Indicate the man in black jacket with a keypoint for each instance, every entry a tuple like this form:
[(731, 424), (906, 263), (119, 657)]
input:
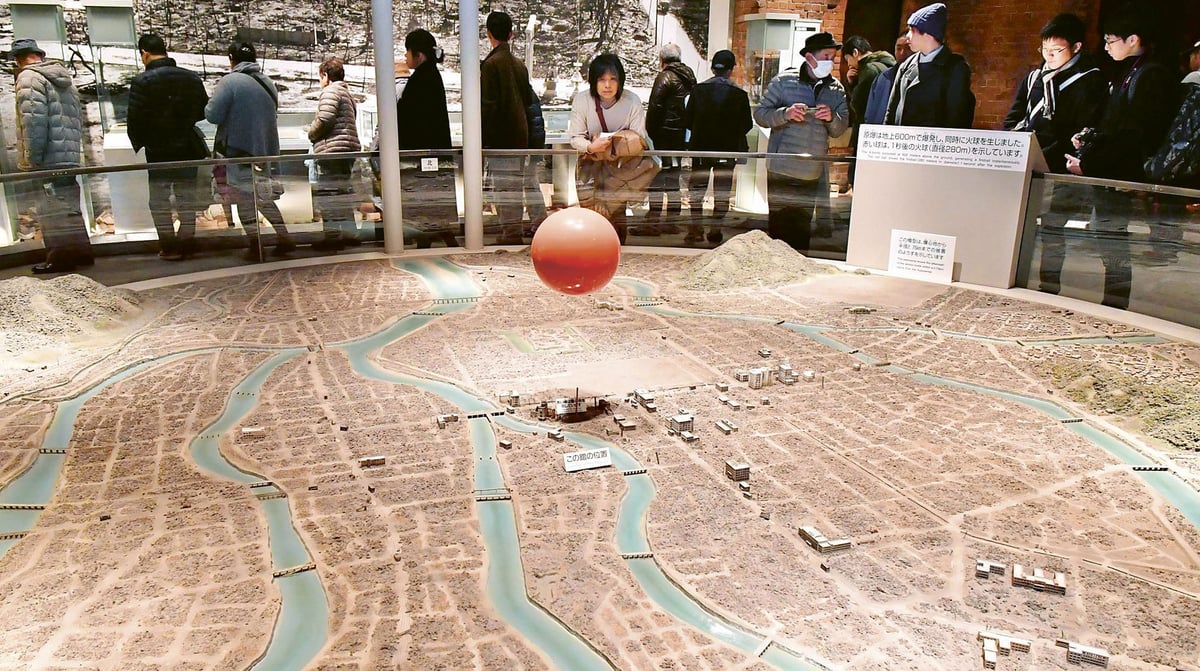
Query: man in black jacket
[(932, 87), (505, 96), (165, 102), (718, 114), (664, 125), (1055, 102), (1136, 117)]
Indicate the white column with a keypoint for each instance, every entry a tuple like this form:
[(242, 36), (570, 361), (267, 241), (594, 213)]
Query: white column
[(389, 126), (472, 127)]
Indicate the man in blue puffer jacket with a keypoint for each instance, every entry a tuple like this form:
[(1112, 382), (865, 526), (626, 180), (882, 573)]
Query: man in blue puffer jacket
[(50, 135), (803, 108)]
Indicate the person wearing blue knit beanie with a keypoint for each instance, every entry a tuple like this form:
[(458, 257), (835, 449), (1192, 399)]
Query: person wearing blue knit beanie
[(933, 86)]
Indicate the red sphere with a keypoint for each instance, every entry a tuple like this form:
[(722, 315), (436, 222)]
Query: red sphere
[(575, 251)]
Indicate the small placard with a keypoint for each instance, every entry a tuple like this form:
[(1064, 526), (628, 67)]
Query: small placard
[(922, 256), (585, 459), (960, 148), (429, 164)]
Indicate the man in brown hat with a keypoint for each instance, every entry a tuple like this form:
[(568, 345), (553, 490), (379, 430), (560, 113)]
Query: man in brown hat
[(50, 136)]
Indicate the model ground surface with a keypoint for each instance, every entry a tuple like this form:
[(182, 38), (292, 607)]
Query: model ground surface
[(142, 559)]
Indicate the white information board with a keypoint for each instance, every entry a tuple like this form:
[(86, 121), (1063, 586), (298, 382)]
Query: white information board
[(992, 150), (922, 256), (585, 459)]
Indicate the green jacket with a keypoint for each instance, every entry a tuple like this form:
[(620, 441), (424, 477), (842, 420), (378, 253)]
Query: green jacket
[(870, 66)]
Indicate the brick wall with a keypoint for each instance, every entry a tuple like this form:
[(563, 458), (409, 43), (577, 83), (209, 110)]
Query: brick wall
[(832, 20), (1000, 39)]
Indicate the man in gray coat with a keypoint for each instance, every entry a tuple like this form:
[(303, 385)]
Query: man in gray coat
[(244, 108), (333, 130), (49, 136), (803, 109)]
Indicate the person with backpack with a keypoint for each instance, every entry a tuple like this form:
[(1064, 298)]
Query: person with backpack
[(165, 102), (1055, 102), (244, 108)]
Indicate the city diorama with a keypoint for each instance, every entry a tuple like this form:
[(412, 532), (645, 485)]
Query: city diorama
[(736, 460)]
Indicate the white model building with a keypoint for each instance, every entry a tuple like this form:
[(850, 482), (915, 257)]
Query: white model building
[(985, 568), (682, 422), (737, 471), (817, 541), (741, 376), (556, 434), (688, 436), (723, 427), (995, 643), (645, 399), (759, 377), (253, 432), (1038, 580), (1078, 653), (764, 352), (722, 386)]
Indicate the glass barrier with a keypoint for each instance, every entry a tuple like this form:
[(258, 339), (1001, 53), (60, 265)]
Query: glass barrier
[(1125, 245), (673, 199), (303, 205)]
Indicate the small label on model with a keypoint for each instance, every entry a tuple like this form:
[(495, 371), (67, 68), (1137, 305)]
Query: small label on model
[(429, 164), (585, 459), (922, 256)]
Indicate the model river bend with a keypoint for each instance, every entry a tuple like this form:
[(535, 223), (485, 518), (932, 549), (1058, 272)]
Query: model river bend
[(301, 629)]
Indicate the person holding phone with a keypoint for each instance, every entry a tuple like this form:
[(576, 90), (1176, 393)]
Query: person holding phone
[(803, 108)]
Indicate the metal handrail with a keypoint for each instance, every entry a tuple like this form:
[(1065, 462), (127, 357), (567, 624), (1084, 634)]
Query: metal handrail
[(407, 153), (1119, 184)]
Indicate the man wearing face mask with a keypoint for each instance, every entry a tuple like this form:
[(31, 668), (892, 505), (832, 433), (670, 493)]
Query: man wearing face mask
[(1055, 102), (803, 109), (933, 86)]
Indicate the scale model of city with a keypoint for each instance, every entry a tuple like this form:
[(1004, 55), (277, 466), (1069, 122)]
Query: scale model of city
[(739, 460)]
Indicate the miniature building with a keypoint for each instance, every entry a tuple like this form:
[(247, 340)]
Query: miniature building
[(741, 376), (626, 425), (857, 366), (764, 352), (722, 386), (688, 436), (253, 432), (1039, 580), (646, 399), (723, 427), (1083, 654), (604, 305), (737, 472), (372, 461), (995, 643), (759, 378), (817, 541), (681, 423), (506, 444), (765, 401), (723, 399), (744, 486), (732, 426), (989, 653), (985, 568), (734, 405), (810, 375), (556, 434)]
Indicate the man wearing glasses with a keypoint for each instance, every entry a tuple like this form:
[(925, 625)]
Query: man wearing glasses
[(1055, 102), (1136, 117)]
